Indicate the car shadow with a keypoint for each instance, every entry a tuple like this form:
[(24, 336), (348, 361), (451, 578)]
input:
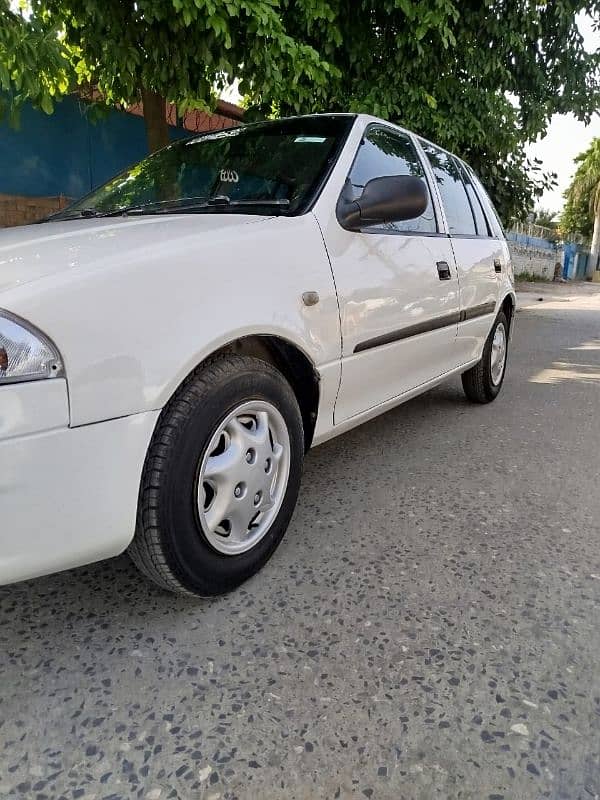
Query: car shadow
[(115, 586)]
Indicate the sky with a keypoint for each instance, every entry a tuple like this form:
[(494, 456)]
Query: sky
[(566, 137)]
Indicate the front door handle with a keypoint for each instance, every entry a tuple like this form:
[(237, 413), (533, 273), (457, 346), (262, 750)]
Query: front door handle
[(443, 269), (497, 265)]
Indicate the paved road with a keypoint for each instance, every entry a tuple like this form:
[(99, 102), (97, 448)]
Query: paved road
[(429, 628)]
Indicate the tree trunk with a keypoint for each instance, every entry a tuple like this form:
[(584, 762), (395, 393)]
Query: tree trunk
[(155, 119), (595, 250)]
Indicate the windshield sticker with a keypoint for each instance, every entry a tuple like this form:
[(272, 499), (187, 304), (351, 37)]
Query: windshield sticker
[(229, 176), (313, 139)]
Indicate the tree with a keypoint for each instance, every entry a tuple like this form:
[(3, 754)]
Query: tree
[(582, 209), (184, 51), (480, 78), (576, 218), (546, 218)]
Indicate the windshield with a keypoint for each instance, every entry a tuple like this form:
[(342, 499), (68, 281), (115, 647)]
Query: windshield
[(273, 166)]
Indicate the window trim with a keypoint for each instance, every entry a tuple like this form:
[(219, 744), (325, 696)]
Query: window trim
[(426, 177), (335, 157)]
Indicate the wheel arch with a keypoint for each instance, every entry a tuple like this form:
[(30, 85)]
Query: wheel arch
[(509, 306), (297, 368)]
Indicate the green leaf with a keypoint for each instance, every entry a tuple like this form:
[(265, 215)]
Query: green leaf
[(46, 104)]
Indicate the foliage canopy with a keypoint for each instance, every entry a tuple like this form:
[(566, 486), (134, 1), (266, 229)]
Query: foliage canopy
[(480, 78), (184, 50)]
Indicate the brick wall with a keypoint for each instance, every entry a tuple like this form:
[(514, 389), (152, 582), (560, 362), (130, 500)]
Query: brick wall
[(19, 210)]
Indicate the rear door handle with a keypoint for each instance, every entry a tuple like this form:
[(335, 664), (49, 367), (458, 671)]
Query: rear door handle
[(443, 269), (497, 265)]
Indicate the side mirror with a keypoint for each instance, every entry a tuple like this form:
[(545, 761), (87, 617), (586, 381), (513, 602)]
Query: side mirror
[(392, 198)]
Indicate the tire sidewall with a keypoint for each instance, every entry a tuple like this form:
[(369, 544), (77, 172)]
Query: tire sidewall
[(491, 389), (200, 568)]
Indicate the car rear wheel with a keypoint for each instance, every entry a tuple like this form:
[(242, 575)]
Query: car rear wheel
[(482, 383), (221, 478)]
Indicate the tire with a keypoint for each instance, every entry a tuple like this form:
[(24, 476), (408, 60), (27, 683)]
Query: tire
[(177, 542), (482, 383)]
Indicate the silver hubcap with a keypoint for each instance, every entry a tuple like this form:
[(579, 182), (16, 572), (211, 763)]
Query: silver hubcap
[(243, 477), (498, 356)]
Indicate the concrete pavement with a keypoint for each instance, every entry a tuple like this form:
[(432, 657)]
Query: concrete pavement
[(429, 627)]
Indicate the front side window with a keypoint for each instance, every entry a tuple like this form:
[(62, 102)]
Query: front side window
[(452, 189), (384, 153), (272, 165)]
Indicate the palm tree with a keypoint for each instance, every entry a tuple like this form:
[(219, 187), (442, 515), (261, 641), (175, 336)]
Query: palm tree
[(584, 193)]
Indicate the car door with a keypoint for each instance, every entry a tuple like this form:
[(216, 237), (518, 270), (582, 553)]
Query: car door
[(397, 287), (479, 252)]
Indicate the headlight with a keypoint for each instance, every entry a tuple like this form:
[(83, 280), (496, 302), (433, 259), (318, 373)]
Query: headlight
[(25, 353)]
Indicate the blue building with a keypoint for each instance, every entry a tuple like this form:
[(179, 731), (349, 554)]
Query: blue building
[(52, 159)]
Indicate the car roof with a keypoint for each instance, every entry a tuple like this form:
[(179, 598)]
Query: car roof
[(370, 119), (365, 118)]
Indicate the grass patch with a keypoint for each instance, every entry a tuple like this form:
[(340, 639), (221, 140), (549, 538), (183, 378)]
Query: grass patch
[(531, 277)]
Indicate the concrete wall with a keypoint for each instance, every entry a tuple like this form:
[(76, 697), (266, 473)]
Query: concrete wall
[(535, 251), (534, 260)]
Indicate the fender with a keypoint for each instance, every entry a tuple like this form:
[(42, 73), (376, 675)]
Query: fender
[(141, 312)]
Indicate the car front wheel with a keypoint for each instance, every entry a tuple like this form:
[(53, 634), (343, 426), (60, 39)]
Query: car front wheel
[(221, 478), (483, 382)]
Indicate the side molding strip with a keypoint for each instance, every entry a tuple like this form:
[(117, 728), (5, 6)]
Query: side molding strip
[(435, 324), (477, 311)]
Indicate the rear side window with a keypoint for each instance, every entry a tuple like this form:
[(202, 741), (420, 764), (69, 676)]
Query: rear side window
[(382, 153), (492, 215), (480, 220), (452, 189)]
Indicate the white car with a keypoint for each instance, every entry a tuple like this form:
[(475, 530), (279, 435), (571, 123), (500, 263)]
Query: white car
[(173, 344)]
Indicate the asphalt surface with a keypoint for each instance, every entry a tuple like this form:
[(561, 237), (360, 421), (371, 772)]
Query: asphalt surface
[(429, 628)]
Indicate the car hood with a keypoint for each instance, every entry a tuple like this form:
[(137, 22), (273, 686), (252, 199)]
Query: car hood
[(33, 252)]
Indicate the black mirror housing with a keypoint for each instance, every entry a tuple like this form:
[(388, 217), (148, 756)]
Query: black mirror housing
[(392, 198)]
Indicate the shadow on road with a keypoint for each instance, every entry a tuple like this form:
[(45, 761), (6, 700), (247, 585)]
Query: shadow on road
[(115, 585)]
